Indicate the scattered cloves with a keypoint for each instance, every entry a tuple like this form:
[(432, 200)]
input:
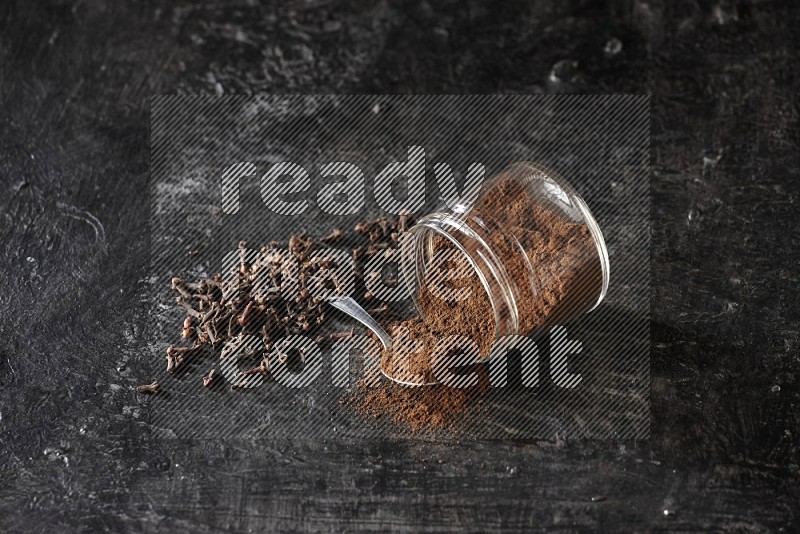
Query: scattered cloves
[(254, 300)]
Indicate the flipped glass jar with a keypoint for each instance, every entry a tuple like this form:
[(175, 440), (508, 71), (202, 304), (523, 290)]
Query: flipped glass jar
[(529, 238)]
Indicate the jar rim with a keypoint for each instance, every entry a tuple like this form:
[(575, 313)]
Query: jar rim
[(445, 225)]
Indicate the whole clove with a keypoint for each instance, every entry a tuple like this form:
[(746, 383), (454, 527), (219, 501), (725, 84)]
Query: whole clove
[(335, 235), (177, 355), (179, 286), (188, 329), (347, 334), (383, 224), (262, 368), (383, 308), (246, 314), (374, 248), (362, 228), (149, 389), (403, 221), (283, 356), (209, 377)]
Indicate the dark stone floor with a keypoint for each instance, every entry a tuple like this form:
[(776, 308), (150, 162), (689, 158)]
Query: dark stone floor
[(76, 450)]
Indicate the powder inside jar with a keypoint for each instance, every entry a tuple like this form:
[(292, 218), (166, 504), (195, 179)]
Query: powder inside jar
[(559, 271)]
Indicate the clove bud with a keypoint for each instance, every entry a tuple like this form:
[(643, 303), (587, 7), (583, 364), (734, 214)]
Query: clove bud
[(188, 329), (335, 235), (155, 387), (208, 378)]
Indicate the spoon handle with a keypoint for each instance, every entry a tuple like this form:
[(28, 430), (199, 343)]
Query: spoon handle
[(352, 308)]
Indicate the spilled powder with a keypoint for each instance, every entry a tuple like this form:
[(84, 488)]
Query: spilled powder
[(417, 408), (556, 270), (414, 341)]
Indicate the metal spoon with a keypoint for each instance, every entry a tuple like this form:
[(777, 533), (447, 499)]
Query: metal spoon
[(350, 307), (354, 310), (408, 383)]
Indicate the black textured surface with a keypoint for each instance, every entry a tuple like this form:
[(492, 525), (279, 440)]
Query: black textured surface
[(76, 450)]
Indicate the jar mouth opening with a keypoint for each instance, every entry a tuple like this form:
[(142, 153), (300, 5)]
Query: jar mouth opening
[(453, 228), (591, 223)]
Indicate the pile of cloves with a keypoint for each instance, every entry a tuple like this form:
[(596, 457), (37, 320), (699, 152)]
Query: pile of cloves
[(383, 233), (253, 300)]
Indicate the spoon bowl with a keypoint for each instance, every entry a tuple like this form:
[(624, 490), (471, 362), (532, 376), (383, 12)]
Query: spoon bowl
[(350, 307)]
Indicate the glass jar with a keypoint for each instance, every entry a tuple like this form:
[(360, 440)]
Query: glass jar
[(530, 239)]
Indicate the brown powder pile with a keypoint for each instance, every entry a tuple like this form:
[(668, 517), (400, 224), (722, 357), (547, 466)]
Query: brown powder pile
[(553, 263), (420, 408)]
